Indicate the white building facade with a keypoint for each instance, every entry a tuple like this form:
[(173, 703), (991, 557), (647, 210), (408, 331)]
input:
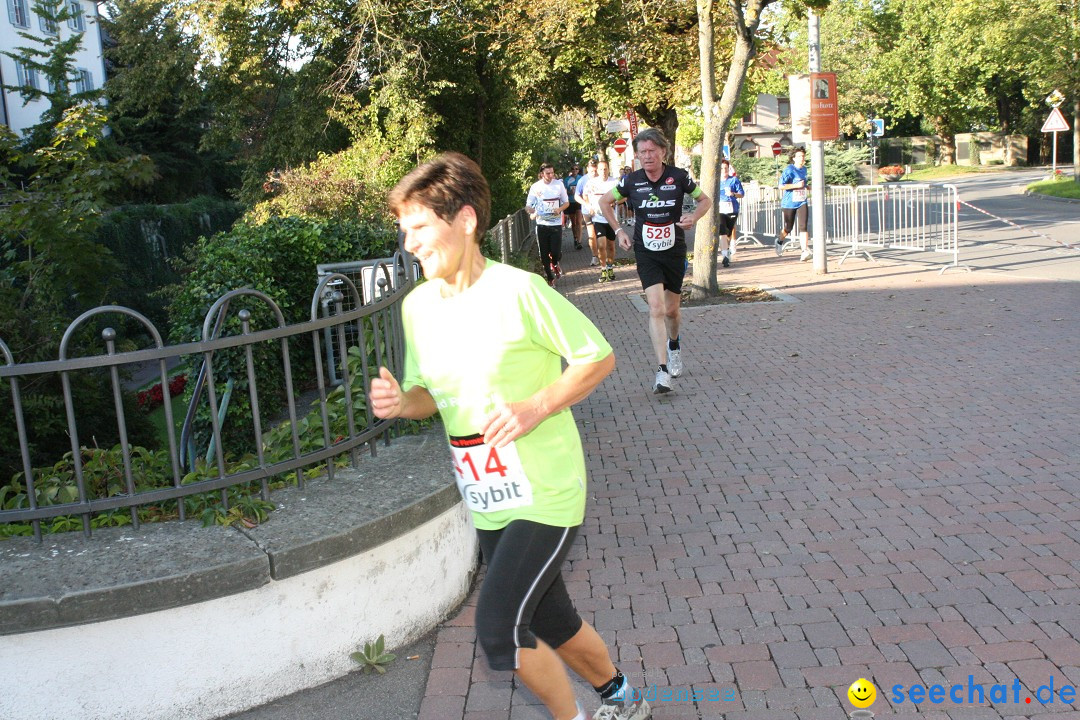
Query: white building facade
[(768, 122), (15, 111)]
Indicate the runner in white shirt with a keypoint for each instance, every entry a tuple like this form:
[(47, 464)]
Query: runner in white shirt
[(579, 189), (546, 201), (605, 234)]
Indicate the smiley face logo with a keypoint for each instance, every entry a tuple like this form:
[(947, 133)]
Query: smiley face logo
[(862, 693)]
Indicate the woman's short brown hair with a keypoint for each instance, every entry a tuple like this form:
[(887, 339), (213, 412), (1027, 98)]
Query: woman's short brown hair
[(445, 185)]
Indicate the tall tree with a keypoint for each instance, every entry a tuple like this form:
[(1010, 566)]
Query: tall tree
[(1035, 46), (51, 58), (745, 18), (157, 105)]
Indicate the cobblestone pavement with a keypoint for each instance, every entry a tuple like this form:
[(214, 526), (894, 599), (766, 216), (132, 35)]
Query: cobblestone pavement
[(879, 479)]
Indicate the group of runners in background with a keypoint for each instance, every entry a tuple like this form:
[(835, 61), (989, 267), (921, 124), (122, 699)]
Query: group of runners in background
[(582, 213)]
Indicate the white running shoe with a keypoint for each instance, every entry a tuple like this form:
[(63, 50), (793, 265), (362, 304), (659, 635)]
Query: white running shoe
[(779, 247), (595, 261), (806, 255), (639, 710), (662, 384), (674, 362)]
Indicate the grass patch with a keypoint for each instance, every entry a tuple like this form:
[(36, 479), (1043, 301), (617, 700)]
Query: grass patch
[(937, 172), (157, 417), (1063, 187)]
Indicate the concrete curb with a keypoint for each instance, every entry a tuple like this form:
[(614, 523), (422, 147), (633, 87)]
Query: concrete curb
[(1043, 196), (119, 572)]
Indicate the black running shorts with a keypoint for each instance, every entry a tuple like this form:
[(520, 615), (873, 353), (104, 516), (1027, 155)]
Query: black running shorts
[(727, 223), (523, 596), (661, 268), (604, 229)]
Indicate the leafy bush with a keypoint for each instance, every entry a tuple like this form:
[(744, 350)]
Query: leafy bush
[(51, 270), (351, 184)]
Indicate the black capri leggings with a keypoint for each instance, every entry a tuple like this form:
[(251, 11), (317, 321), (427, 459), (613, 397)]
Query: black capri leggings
[(523, 596), (549, 238), (789, 218)]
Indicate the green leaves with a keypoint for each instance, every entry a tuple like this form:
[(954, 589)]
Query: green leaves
[(373, 657)]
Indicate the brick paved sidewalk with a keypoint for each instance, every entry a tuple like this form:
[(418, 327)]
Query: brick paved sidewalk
[(879, 480)]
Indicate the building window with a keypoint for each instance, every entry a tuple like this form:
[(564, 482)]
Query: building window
[(18, 13), (48, 25), (749, 148), (783, 108), (748, 118), (84, 81), (27, 77), (76, 22)]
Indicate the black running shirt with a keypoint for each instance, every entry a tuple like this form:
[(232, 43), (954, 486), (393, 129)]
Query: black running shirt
[(657, 207)]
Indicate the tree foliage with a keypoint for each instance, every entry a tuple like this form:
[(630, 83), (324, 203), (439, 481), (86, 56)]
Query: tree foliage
[(51, 270), (951, 67), (52, 58), (156, 101)]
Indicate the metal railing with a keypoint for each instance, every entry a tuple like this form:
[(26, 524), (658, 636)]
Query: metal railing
[(374, 325), (511, 233), (862, 220)]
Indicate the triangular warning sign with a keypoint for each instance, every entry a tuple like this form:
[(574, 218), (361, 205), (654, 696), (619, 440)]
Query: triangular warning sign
[(1056, 122)]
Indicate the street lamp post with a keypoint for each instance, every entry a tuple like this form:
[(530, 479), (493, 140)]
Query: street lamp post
[(817, 162)]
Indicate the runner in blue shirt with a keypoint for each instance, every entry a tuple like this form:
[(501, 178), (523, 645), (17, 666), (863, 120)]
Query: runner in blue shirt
[(793, 204), (727, 208)]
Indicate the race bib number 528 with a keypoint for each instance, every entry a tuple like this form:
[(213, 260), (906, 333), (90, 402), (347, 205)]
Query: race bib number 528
[(658, 237), (490, 479)]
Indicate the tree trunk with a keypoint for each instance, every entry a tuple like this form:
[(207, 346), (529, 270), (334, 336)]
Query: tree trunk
[(1076, 140), (948, 141), (479, 107), (717, 120)]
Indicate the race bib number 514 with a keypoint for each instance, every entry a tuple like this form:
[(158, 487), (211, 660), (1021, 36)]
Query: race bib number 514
[(658, 237), (490, 479)]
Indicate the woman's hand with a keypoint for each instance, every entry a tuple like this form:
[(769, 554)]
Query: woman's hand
[(385, 395), (509, 421)]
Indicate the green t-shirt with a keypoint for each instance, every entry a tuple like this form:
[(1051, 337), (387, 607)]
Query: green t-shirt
[(503, 339)]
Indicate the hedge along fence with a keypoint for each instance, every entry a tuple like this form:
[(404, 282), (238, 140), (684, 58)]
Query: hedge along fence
[(146, 239)]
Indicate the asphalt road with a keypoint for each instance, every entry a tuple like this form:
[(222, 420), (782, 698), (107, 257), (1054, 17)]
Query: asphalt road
[(1045, 245)]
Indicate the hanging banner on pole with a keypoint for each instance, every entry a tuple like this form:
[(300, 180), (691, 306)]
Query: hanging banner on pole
[(824, 110), (631, 117)]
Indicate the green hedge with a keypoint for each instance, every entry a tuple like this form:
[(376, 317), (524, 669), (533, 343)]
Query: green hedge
[(841, 165), (145, 239), (279, 258)]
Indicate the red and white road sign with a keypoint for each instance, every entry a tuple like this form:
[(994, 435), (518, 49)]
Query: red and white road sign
[(1055, 123), (777, 148), (620, 145)]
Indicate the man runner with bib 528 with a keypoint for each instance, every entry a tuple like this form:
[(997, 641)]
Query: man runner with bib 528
[(484, 347), (656, 193)]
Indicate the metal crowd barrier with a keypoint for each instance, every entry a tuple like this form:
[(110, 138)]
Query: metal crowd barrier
[(863, 220)]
